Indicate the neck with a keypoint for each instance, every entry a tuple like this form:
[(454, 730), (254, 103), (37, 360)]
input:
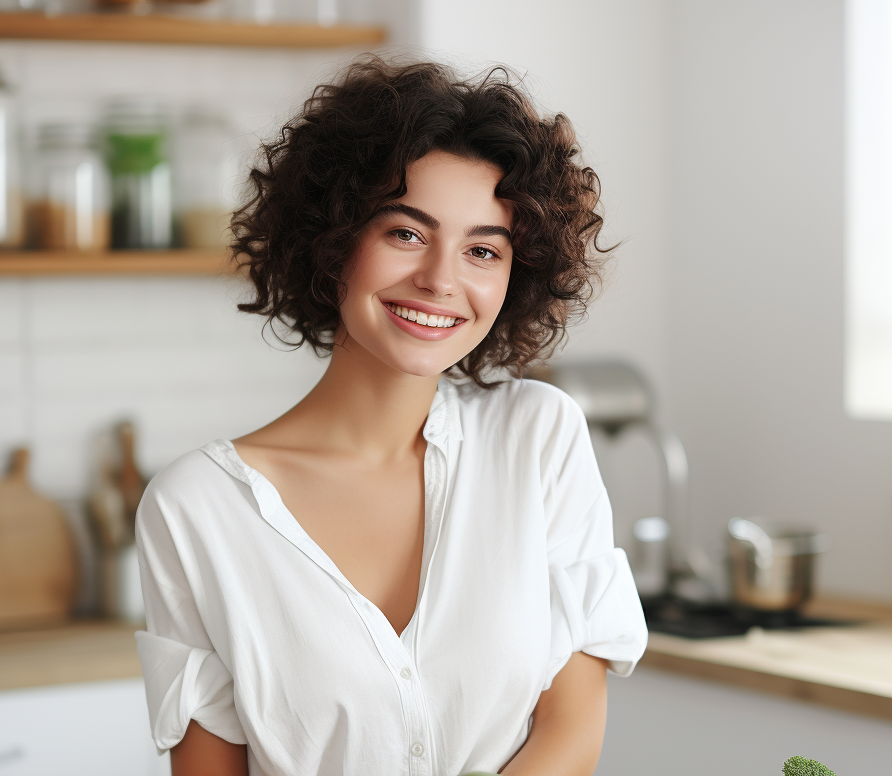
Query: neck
[(364, 408)]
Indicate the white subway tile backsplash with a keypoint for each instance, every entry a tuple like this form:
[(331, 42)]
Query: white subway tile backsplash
[(12, 374), (73, 431), (13, 429), (11, 310), (131, 310), (11, 62), (157, 370)]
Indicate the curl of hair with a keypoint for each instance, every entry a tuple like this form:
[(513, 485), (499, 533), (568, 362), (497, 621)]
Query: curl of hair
[(345, 154)]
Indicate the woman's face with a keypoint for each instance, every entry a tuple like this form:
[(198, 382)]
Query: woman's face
[(441, 250)]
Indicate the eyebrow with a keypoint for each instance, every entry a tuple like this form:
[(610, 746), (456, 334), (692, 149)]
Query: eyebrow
[(482, 230), (485, 230)]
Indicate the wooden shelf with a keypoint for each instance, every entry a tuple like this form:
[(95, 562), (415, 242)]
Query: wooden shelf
[(176, 30), (173, 262)]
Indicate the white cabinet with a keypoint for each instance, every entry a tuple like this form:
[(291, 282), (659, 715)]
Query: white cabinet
[(89, 729), (663, 723)]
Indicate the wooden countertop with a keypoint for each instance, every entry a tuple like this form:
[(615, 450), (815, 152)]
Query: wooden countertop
[(80, 651), (847, 668)]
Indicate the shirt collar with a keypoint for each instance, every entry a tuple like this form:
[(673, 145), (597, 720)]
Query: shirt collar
[(443, 419)]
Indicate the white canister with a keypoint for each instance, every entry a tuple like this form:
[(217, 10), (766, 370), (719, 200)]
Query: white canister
[(122, 592)]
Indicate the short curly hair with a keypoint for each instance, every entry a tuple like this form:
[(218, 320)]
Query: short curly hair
[(318, 184)]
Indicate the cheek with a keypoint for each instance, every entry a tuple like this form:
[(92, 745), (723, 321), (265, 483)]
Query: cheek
[(374, 269), (488, 297)]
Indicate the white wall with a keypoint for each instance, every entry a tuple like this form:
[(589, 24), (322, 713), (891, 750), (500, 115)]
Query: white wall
[(755, 283)]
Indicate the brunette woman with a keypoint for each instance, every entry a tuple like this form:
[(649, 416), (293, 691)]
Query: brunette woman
[(412, 571)]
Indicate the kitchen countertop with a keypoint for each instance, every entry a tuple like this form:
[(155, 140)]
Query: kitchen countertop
[(79, 651), (848, 668)]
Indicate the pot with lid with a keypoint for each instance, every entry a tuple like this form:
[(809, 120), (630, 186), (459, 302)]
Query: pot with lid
[(771, 568)]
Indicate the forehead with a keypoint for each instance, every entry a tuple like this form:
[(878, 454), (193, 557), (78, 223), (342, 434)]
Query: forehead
[(456, 189)]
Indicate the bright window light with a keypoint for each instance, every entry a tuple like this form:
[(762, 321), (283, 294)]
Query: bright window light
[(868, 369)]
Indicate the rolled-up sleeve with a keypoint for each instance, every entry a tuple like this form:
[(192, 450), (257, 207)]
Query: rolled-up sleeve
[(594, 602), (184, 676)]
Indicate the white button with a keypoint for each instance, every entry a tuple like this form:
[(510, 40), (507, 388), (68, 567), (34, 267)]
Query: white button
[(406, 673), (417, 749)]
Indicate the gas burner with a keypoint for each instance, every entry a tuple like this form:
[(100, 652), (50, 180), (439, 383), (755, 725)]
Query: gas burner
[(692, 620)]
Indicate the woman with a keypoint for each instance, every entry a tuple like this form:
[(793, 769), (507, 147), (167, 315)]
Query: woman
[(407, 572)]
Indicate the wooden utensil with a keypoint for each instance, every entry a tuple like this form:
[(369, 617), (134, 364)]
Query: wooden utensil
[(130, 479), (117, 493), (38, 560)]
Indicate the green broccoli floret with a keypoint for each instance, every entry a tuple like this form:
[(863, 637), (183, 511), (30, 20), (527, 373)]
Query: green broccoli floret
[(799, 766)]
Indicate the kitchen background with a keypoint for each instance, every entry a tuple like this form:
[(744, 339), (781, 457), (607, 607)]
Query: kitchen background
[(717, 129)]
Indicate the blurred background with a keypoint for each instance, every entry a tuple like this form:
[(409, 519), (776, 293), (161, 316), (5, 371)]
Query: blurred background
[(744, 155)]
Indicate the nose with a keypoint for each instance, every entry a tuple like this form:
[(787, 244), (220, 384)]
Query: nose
[(437, 272)]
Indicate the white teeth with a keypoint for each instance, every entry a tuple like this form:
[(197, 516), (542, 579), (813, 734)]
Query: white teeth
[(434, 321)]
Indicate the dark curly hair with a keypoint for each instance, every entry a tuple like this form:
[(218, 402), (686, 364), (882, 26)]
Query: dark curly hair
[(317, 185)]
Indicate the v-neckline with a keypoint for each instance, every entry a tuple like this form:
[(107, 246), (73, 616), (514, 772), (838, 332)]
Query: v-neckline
[(273, 507)]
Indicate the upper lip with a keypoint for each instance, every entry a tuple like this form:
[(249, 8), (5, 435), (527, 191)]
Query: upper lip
[(429, 309)]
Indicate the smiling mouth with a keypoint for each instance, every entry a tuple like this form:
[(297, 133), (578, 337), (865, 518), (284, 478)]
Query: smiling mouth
[(423, 319)]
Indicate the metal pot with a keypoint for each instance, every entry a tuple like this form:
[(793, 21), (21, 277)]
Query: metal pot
[(771, 569)]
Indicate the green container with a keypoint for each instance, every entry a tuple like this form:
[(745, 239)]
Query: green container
[(137, 158), (134, 154)]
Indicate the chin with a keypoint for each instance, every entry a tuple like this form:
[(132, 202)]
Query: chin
[(419, 365), (421, 370)]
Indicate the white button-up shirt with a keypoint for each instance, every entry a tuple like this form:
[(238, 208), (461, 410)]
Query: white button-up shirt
[(255, 633)]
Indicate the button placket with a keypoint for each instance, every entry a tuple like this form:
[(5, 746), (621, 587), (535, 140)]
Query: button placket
[(426, 764), (414, 713)]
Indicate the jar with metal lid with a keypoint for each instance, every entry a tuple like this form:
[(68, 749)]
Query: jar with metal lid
[(206, 173), (69, 207), (136, 140), (12, 230)]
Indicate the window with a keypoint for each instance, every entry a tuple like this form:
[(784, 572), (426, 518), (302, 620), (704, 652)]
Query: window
[(868, 160)]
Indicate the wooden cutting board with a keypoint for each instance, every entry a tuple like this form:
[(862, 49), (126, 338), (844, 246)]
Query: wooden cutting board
[(38, 560)]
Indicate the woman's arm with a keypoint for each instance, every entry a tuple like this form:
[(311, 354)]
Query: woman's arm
[(568, 723), (203, 754)]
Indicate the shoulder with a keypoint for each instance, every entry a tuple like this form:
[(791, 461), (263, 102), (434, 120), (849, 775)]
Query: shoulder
[(531, 407), (186, 487)]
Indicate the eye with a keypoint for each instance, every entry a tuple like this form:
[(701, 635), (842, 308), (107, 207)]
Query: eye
[(479, 252), (405, 235)]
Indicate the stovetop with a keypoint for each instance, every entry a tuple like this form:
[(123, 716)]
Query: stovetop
[(692, 620)]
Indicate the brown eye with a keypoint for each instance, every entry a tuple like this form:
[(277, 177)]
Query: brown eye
[(403, 235), (479, 252)]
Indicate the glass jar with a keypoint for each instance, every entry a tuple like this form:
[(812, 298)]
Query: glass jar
[(69, 209), (206, 172), (278, 11), (12, 230), (137, 157)]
